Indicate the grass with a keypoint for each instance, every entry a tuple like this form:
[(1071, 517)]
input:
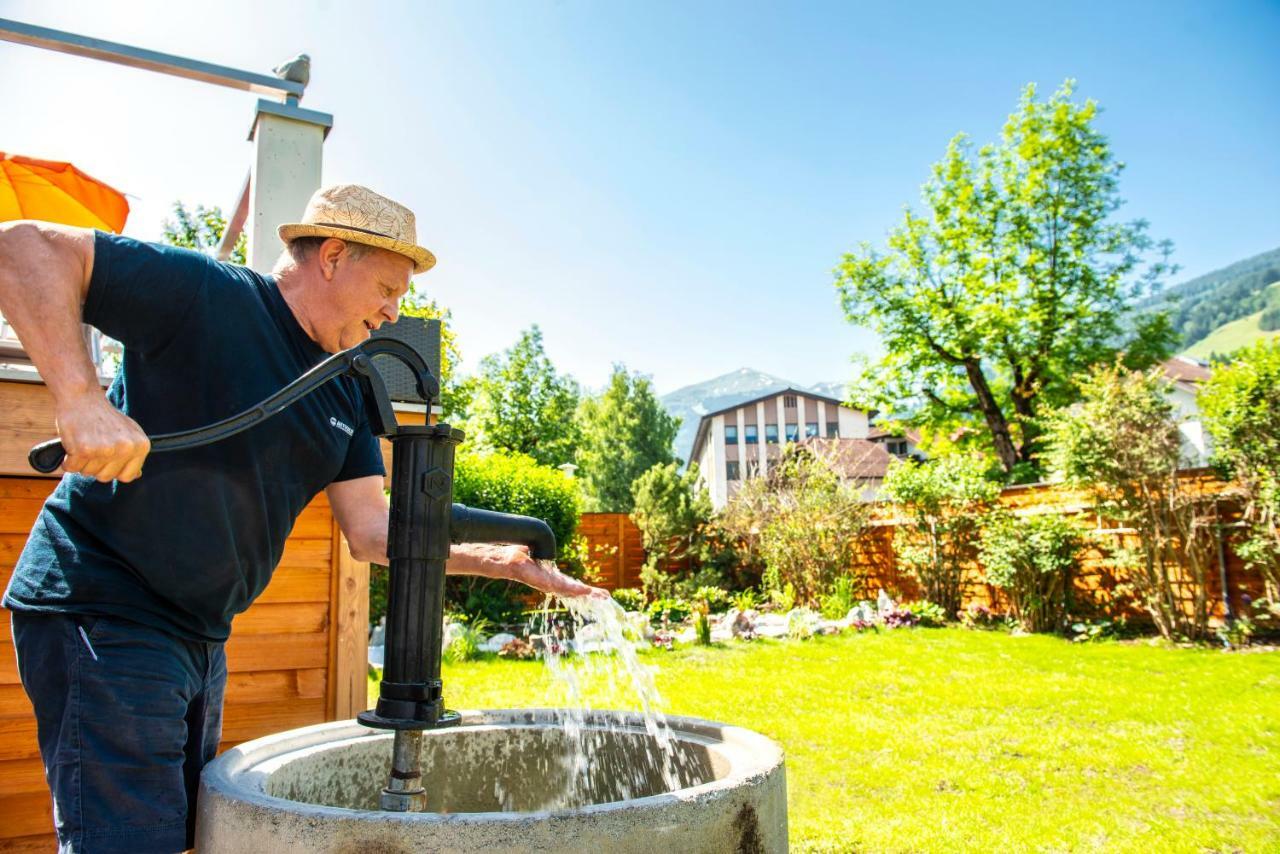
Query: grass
[(946, 739)]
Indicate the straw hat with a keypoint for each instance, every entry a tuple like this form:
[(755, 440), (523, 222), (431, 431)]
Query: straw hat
[(358, 214)]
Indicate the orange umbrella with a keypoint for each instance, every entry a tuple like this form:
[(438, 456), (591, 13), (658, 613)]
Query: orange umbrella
[(57, 192)]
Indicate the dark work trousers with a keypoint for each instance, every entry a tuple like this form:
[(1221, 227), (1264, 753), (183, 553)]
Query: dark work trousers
[(126, 716)]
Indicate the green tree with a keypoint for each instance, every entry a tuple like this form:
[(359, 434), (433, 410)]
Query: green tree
[(1122, 444), (1016, 279), (625, 432), (672, 511), (200, 229), (520, 403), (1240, 405)]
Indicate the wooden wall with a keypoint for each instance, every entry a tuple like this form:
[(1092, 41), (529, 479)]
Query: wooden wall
[(296, 657)]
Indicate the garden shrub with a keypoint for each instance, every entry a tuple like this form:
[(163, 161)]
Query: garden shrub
[(673, 513), (715, 598), (466, 646), (1031, 559), (926, 613), (975, 615), (783, 599), (840, 599), (668, 611), (1240, 405), (1122, 444), (942, 503), (629, 598), (746, 600), (803, 520)]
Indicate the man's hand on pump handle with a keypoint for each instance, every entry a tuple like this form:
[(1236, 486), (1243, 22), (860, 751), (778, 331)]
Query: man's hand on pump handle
[(101, 441)]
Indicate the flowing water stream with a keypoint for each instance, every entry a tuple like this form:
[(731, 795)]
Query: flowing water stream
[(594, 656)]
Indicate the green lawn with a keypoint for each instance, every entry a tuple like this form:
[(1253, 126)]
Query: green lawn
[(946, 739)]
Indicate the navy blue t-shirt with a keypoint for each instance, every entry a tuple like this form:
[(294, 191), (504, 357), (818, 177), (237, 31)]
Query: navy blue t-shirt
[(192, 542)]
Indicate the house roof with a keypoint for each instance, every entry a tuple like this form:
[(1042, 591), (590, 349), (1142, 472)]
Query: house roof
[(705, 422), (910, 434), (1182, 369), (852, 459)]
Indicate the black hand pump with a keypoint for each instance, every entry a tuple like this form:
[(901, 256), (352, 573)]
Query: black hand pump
[(424, 522)]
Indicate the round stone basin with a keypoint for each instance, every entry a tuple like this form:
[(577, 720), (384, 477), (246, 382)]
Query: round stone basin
[(520, 780)]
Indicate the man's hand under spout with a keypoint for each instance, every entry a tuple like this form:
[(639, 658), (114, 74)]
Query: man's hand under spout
[(514, 563)]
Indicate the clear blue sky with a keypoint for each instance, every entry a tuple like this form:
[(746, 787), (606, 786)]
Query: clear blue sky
[(667, 184)]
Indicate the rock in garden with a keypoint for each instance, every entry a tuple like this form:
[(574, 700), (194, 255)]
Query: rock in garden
[(497, 642)]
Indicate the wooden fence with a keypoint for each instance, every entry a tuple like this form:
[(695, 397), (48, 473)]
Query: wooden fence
[(615, 548), (614, 544)]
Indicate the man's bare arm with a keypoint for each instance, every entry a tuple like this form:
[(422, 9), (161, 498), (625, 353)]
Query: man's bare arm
[(44, 277), (361, 509)]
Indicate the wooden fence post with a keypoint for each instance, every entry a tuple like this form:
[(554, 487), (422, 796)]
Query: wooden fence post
[(622, 550)]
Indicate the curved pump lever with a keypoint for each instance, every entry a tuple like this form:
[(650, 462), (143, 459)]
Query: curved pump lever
[(47, 456)]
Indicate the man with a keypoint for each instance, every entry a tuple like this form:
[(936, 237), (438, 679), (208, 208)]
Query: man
[(125, 592)]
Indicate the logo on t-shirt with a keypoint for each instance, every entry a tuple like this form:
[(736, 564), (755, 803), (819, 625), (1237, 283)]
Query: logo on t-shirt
[(333, 422)]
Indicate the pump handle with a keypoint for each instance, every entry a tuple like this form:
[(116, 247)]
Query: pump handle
[(47, 456)]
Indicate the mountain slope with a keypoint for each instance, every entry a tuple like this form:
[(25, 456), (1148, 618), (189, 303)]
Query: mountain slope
[(1234, 334), (1204, 304)]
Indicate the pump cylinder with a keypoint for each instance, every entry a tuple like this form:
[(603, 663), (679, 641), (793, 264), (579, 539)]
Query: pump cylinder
[(417, 547)]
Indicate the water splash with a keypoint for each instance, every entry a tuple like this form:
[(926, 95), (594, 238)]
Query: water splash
[(594, 658)]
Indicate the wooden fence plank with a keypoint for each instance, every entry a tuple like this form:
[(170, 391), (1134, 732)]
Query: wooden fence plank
[(287, 618), (297, 584), (18, 739), (22, 775), (245, 721), (14, 702), (8, 664), (249, 653), (350, 654), (266, 686), (26, 814)]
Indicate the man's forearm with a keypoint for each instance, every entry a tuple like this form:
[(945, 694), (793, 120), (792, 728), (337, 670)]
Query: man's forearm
[(467, 559)]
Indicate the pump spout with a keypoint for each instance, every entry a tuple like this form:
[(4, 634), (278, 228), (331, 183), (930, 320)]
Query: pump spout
[(470, 525)]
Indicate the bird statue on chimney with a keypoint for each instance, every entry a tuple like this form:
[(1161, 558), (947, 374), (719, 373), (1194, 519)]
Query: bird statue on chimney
[(297, 70)]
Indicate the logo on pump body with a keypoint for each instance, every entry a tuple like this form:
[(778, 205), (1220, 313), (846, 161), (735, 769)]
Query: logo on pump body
[(333, 422)]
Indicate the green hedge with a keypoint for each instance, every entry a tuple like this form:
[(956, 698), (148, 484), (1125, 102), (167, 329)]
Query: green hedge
[(515, 483)]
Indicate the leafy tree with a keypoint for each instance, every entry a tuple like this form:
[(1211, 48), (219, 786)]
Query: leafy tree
[(625, 432), (1122, 444), (944, 502), (1240, 405), (1015, 279), (520, 403), (202, 230)]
